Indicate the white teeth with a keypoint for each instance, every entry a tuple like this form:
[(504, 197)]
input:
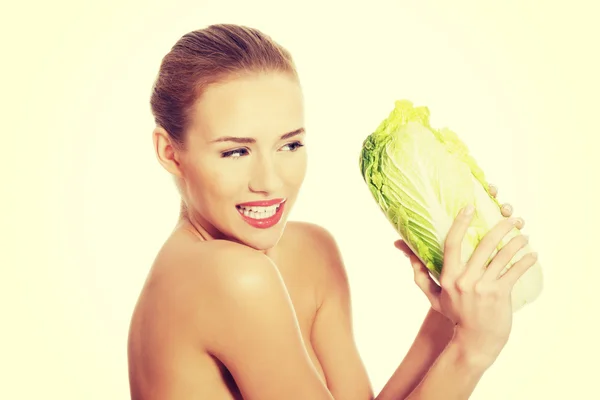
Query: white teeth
[(260, 209), (259, 212)]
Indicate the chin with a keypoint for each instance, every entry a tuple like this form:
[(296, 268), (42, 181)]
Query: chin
[(262, 241)]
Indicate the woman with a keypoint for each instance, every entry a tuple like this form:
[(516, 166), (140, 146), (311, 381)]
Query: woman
[(241, 303)]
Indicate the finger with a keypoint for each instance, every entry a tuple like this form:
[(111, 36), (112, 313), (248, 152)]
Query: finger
[(489, 244), (518, 269), (506, 253), (506, 210), (425, 282), (454, 240), (403, 247), (493, 190)]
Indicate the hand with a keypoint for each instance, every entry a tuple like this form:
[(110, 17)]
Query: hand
[(474, 296)]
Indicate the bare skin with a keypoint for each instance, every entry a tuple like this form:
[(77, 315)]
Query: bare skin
[(181, 319), (231, 311), (169, 356)]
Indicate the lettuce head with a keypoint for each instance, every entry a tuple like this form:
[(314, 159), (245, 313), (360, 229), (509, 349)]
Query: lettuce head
[(421, 178)]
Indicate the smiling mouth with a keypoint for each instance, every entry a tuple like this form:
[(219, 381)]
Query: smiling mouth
[(259, 212)]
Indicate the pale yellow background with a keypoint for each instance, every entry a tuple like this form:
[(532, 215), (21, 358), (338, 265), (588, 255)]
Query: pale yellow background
[(85, 206)]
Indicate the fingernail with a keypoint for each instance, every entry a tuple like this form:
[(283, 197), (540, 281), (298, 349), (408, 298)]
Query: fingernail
[(468, 210), (514, 221), (534, 255)]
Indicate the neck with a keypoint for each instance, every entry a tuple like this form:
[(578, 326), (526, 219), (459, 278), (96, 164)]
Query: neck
[(204, 230), (187, 220)]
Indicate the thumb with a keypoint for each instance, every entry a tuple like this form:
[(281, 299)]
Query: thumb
[(403, 247), (426, 283), (421, 275)]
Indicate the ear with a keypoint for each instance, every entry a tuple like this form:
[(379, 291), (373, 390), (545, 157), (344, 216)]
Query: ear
[(166, 152)]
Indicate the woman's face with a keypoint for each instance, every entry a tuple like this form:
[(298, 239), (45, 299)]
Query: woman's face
[(244, 161)]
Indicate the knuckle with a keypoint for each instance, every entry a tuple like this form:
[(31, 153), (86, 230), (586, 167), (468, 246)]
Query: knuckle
[(495, 294), (462, 286), (480, 288)]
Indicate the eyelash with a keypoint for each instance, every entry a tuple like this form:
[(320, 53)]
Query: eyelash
[(231, 153)]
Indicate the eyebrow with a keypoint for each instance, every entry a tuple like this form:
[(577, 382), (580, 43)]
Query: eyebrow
[(252, 140)]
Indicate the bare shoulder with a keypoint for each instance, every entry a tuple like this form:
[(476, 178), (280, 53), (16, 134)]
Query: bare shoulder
[(313, 238), (191, 277), (192, 283), (235, 274), (232, 271), (319, 245), (198, 298), (234, 304)]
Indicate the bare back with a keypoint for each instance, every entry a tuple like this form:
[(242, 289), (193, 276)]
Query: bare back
[(175, 309)]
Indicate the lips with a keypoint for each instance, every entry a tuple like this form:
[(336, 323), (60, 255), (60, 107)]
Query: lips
[(262, 203), (262, 214)]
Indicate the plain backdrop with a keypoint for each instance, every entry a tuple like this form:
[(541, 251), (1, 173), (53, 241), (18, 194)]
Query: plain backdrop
[(86, 206)]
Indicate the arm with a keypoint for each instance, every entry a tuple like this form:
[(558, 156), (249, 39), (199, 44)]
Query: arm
[(254, 330), (438, 365), (433, 337), (435, 334), (258, 340), (453, 376), (334, 342), (478, 297), (332, 333), (435, 366)]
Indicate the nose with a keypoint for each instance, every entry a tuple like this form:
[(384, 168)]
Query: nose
[(264, 176)]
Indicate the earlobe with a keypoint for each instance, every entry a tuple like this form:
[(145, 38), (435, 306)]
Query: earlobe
[(165, 151)]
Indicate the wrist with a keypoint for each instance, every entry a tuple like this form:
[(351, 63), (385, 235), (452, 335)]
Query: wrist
[(440, 324), (471, 354)]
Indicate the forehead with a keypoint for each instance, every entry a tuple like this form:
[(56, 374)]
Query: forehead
[(259, 105)]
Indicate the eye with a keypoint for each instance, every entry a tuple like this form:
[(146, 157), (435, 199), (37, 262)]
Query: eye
[(294, 146), (236, 153)]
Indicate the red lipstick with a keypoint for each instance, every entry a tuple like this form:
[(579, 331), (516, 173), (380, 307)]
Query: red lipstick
[(262, 203), (255, 220)]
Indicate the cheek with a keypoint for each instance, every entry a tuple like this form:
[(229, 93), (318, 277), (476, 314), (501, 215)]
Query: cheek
[(294, 170), (215, 182)]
